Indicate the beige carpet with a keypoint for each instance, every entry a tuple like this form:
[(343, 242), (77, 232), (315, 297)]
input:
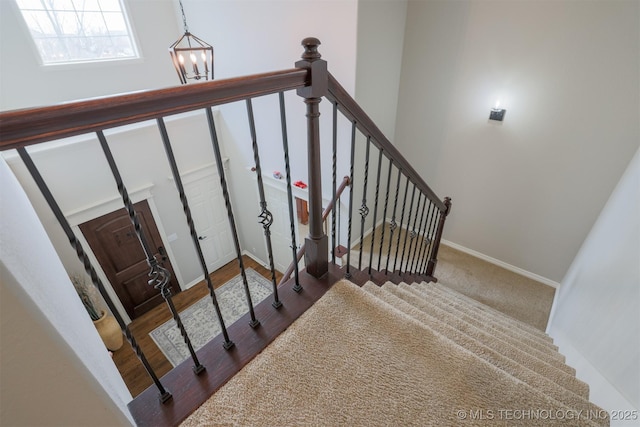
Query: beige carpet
[(515, 295), (367, 357)]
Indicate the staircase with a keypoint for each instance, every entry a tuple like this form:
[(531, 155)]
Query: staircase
[(418, 354), (320, 350)]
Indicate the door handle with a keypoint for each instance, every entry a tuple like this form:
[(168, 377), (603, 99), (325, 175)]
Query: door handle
[(202, 237), (162, 253)]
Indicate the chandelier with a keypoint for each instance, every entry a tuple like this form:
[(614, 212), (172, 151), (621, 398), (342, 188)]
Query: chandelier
[(192, 57)]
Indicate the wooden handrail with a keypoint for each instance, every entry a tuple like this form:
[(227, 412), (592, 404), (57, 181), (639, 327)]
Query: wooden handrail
[(352, 111), (287, 274), (20, 128)]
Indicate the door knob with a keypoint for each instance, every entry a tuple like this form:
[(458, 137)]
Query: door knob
[(162, 253)]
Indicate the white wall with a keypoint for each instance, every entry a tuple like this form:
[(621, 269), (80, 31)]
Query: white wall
[(596, 308), (250, 37), (26, 83), (381, 26), (55, 368), (525, 191)]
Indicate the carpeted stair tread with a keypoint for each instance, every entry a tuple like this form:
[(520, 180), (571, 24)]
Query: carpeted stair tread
[(354, 360), (472, 325), (560, 373), (470, 314), (517, 370), (502, 323), (486, 311), (490, 311)]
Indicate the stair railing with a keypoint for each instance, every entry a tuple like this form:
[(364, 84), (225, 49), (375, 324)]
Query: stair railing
[(412, 241)]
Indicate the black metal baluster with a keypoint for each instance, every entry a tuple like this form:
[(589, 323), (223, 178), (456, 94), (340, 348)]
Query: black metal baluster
[(429, 241), (407, 233), (353, 155), (232, 222), (194, 234), (432, 241), (404, 205), (375, 210), (159, 276), (425, 237), (364, 210), (413, 234), (393, 224), (384, 213), (420, 241), (334, 178), (266, 218), (292, 218), (164, 395)]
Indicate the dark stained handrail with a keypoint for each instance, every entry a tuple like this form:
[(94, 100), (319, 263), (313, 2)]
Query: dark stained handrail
[(20, 128), (352, 111)]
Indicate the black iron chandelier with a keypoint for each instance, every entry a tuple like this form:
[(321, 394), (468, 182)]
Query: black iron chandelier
[(191, 56)]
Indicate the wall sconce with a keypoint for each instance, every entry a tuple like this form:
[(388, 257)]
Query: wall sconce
[(497, 113), (192, 57)]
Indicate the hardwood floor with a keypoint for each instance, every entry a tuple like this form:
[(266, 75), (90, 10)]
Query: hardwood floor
[(132, 371)]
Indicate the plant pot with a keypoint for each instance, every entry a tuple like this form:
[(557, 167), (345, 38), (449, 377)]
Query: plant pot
[(109, 331)]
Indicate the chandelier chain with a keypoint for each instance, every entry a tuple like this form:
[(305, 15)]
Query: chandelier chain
[(184, 18)]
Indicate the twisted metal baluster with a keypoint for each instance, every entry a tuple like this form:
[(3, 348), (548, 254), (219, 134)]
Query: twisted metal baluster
[(406, 234), (194, 234), (375, 210), (424, 244), (232, 222), (431, 242), (384, 213), (334, 178), (163, 395), (266, 218), (353, 155), (285, 147), (364, 210), (404, 205), (419, 241), (413, 233), (393, 224), (159, 276), (435, 217)]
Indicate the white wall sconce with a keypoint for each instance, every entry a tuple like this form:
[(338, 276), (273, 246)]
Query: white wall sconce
[(497, 113)]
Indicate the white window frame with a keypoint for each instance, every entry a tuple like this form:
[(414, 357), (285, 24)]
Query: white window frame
[(136, 56)]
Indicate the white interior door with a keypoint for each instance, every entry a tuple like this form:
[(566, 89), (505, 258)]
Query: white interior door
[(210, 218)]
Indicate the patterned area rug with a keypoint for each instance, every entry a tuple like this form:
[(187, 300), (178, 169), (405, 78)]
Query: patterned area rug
[(200, 319)]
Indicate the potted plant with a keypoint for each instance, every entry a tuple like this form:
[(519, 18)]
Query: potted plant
[(105, 323)]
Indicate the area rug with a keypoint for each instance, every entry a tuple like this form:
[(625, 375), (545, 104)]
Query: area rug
[(200, 319)]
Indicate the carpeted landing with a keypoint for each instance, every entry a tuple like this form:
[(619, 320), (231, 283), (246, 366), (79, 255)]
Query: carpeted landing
[(419, 354)]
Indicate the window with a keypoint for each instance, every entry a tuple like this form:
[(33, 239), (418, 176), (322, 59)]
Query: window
[(70, 31)]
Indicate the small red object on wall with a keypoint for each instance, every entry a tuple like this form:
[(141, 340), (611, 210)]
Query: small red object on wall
[(300, 184)]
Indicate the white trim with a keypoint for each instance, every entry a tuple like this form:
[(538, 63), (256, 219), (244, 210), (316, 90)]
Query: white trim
[(503, 264), (97, 209), (201, 172), (256, 259)]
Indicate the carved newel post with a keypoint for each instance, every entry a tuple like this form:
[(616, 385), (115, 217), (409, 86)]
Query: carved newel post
[(317, 243)]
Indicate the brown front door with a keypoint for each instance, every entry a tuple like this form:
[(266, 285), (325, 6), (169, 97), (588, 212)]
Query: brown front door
[(117, 248)]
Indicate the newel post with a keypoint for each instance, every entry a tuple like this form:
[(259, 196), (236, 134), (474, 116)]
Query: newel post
[(317, 243), (431, 266)]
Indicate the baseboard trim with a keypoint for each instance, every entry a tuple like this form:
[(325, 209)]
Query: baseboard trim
[(503, 264)]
